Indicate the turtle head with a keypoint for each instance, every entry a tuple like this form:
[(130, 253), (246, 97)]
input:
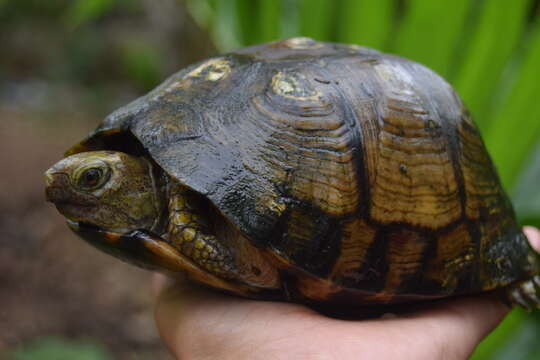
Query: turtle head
[(112, 191)]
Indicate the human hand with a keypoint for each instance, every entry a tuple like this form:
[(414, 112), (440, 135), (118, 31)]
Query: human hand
[(197, 323)]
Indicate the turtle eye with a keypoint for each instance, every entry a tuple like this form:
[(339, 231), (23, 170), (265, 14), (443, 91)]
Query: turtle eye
[(92, 178)]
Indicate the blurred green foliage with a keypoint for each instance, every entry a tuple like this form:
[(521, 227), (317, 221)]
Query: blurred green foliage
[(53, 348), (140, 61), (62, 40), (84, 11), (372, 31)]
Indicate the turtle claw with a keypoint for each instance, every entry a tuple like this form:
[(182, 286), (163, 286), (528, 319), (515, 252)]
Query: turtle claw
[(516, 297), (536, 280), (524, 294)]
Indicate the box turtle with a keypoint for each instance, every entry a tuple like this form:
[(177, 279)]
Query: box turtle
[(301, 171)]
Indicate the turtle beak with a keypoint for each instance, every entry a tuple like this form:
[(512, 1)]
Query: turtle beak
[(55, 185)]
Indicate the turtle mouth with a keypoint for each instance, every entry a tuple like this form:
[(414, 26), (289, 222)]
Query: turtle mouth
[(94, 234), (73, 213), (85, 227)]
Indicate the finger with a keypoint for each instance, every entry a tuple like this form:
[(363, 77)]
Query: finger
[(159, 283), (173, 304), (533, 234), (195, 320), (456, 325)]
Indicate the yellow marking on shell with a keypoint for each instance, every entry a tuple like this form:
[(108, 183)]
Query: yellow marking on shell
[(189, 234), (287, 85), (356, 47), (212, 70), (302, 43), (281, 85)]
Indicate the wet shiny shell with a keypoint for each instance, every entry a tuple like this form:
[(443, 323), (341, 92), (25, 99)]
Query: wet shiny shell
[(361, 172)]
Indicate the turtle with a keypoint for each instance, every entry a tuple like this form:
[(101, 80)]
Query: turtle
[(301, 171)]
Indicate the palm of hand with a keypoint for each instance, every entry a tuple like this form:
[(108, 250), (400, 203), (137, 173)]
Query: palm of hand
[(197, 323)]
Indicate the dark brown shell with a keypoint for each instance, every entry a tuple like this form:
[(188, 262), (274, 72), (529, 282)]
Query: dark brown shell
[(360, 172)]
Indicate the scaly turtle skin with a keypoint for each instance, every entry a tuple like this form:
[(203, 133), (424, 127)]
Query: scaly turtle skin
[(302, 171)]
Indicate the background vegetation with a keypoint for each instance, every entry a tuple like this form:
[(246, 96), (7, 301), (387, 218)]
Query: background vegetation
[(114, 50)]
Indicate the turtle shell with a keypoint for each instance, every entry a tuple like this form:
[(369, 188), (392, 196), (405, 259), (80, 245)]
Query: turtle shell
[(359, 172)]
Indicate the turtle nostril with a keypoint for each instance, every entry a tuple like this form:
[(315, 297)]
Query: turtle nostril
[(55, 189)]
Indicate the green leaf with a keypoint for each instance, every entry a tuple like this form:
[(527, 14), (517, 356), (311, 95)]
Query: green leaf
[(316, 19), (526, 194), (364, 24), (269, 13), (516, 125), (429, 32), (248, 21), (500, 336), (202, 12), (226, 29), (259, 20), (493, 40), (290, 19), (522, 344)]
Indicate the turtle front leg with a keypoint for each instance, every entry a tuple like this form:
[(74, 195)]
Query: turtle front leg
[(524, 293), (189, 233)]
